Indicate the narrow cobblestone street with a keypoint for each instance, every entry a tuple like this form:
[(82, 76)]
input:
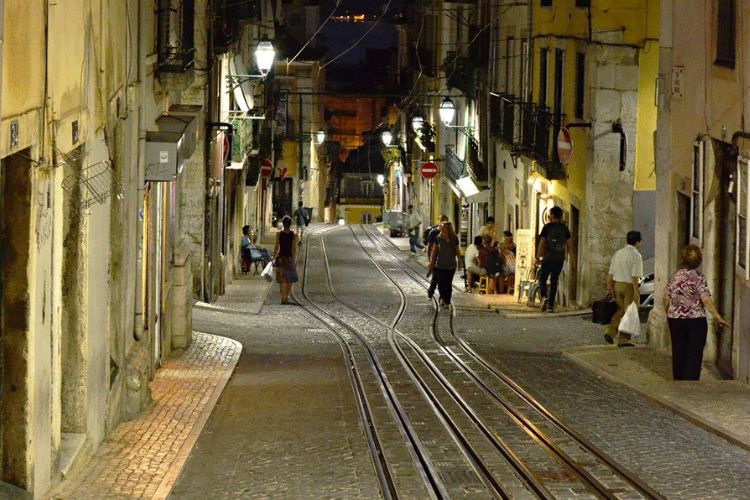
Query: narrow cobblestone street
[(287, 425)]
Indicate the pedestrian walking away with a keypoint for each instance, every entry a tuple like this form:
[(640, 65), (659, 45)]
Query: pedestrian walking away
[(445, 259), (625, 272), (686, 299), (285, 254), (415, 221), (554, 244), (431, 243), (302, 219)]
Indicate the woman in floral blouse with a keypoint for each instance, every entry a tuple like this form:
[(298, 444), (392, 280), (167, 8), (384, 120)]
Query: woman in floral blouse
[(686, 299)]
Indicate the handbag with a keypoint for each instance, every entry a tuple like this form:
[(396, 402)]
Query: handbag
[(631, 321), (603, 310), (268, 272), (291, 274)]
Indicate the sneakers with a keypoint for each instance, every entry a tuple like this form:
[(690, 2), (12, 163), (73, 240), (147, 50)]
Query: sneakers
[(551, 309), (545, 305)]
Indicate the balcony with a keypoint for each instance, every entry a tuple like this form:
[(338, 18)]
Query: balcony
[(243, 142), (454, 166), (175, 43), (476, 166), (226, 26)]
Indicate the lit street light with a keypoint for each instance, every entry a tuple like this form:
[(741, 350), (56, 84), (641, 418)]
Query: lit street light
[(320, 137), (264, 55), (381, 179), (447, 111), (416, 123), (387, 138)]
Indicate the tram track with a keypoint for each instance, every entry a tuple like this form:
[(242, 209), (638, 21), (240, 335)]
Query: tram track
[(603, 475)]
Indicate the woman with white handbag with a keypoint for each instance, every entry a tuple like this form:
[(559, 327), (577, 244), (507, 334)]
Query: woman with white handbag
[(285, 256)]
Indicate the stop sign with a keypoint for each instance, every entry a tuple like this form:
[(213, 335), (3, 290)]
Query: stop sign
[(564, 146), (266, 167), (428, 170)]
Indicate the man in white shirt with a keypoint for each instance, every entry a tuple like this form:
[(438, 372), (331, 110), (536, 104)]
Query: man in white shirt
[(472, 264), (625, 272), (490, 230), (415, 221)]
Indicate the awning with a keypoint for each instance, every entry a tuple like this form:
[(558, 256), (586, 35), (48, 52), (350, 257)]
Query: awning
[(243, 92), (481, 197)]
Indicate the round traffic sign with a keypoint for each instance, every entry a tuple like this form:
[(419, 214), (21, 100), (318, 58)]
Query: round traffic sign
[(564, 146), (266, 167), (428, 170)]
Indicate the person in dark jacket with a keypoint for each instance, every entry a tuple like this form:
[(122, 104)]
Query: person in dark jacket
[(445, 259), (554, 245)]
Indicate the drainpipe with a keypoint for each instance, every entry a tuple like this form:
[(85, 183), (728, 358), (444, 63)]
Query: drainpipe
[(140, 177)]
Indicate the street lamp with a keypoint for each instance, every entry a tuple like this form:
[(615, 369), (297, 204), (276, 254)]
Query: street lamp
[(381, 179), (447, 111), (320, 137), (264, 55), (387, 137), (416, 123)]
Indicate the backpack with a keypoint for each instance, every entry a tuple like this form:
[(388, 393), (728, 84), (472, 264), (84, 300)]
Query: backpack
[(556, 241)]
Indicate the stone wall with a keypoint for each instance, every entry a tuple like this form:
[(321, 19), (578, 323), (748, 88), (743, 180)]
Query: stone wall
[(614, 82)]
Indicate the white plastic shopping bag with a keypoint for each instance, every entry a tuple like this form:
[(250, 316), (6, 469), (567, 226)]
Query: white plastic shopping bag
[(631, 321), (268, 272)]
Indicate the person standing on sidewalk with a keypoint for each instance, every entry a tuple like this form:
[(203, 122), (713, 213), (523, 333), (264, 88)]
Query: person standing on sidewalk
[(302, 220), (554, 245), (625, 273), (431, 242), (445, 259), (285, 255), (490, 230), (415, 221), (686, 298)]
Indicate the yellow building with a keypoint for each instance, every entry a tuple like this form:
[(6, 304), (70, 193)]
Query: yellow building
[(592, 70)]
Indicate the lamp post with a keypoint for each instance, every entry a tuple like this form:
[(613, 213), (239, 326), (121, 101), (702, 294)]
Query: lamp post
[(447, 111), (381, 181)]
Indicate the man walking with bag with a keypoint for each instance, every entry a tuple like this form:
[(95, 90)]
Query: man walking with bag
[(625, 272), (554, 245)]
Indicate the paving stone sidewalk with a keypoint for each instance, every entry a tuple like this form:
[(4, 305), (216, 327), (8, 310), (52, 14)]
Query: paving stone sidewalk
[(719, 406), (143, 457), (245, 295)]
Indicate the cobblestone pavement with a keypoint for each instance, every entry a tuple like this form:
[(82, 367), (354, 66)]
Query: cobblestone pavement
[(287, 425), (143, 457)]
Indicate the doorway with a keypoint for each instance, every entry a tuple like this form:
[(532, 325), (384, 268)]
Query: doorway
[(725, 254), (282, 198), (575, 217), (15, 221)]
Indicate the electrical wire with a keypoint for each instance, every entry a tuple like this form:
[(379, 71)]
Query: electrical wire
[(346, 51), (320, 28)]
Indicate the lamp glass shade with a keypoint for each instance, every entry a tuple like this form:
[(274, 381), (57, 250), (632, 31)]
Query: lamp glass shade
[(416, 123), (264, 55), (447, 111), (387, 138), (381, 179), (320, 136)]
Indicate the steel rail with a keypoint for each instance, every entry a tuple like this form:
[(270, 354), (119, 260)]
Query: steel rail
[(504, 378), (385, 480), (417, 449), (526, 475)]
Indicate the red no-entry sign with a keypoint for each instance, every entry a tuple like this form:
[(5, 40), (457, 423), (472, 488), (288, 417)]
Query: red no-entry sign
[(428, 170), (266, 167), (564, 146)]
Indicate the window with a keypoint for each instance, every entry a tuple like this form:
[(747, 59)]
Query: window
[(546, 3), (725, 33), (367, 188), (696, 195), (743, 209), (583, 3), (580, 83), (543, 77)]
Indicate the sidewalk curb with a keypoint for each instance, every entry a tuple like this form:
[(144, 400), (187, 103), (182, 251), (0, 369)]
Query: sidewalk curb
[(171, 475), (697, 420), (206, 306)]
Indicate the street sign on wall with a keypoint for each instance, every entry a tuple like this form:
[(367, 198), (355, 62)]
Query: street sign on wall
[(564, 146), (266, 167), (428, 170)]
